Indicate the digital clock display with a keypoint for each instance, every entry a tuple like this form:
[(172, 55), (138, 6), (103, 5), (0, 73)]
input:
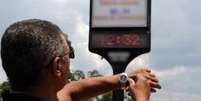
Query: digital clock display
[(119, 13), (120, 40)]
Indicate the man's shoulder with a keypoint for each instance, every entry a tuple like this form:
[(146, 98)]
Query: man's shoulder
[(63, 95)]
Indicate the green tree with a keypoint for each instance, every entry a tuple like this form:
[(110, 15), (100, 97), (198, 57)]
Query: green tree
[(107, 97), (94, 73), (79, 74), (3, 87), (72, 77), (76, 75)]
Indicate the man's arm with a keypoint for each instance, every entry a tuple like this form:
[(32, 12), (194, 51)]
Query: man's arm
[(86, 88)]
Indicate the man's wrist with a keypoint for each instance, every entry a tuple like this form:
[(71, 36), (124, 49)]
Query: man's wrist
[(123, 80), (141, 98)]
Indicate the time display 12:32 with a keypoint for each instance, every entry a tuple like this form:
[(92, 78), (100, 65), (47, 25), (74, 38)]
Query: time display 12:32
[(120, 40)]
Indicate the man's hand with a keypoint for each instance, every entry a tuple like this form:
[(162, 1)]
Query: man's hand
[(146, 73), (140, 91)]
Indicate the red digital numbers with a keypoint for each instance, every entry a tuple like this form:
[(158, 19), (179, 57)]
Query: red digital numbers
[(131, 40), (125, 40)]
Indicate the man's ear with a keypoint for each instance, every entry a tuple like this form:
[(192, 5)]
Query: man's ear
[(57, 67)]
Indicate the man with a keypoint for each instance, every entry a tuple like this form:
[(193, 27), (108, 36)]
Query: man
[(35, 56)]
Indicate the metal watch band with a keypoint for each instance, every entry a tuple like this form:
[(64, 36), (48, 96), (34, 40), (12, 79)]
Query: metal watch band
[(123, 79)]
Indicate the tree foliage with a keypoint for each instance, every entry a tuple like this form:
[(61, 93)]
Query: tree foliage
[(4, 86)]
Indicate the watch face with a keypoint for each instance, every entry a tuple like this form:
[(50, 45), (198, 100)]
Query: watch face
[(124, 78)]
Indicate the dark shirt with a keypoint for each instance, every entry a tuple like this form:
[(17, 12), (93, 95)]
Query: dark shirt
[(7, 96)]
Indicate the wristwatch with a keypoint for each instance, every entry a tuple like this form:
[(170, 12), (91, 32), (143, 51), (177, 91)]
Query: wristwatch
[(123, 79)]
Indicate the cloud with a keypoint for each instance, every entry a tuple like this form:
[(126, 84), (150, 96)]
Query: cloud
[(174, 96), (172, 72), (179, 84), (60, 1), (142, 61), (175, 34)]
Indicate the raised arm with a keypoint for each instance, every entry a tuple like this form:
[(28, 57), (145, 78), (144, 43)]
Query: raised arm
[(86, 88)]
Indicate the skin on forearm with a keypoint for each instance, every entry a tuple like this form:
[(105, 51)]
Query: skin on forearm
[(141, 97), (86, 88), (140, 90)]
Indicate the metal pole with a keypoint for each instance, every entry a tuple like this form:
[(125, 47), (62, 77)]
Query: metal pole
[(118, 94)]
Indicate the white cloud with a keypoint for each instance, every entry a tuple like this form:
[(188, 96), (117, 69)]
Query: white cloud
[(60, 1), (141, 61), (170, 72), (179, 83), (81, 31), (175, 33), (164, 95)]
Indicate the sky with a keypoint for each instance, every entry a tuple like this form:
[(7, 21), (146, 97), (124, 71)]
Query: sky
[(175, 51)]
